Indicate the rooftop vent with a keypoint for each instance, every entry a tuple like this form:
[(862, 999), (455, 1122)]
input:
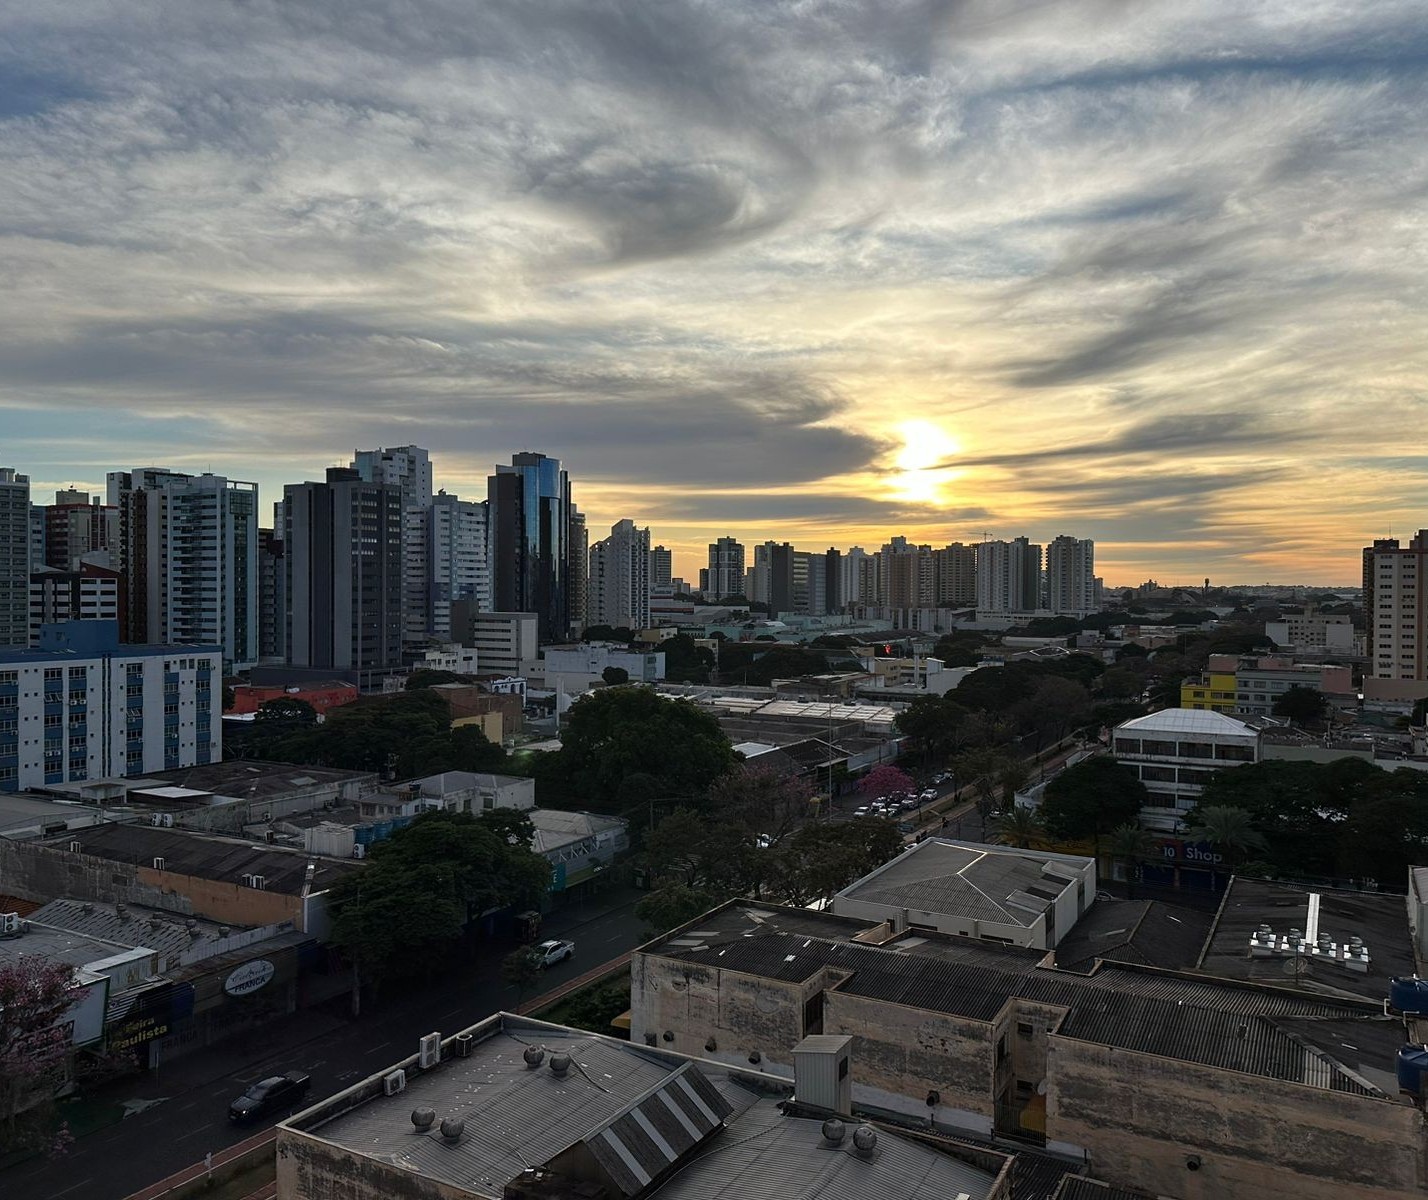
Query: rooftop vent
[(452, 1128), (559, 1064), (534, 1056), (423, 1118), (865, 1140), (834, 1130)]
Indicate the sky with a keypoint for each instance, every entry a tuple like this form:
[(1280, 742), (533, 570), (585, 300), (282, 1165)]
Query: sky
[(1151, 273)]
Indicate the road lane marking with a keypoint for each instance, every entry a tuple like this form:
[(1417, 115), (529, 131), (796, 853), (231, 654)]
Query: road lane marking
[(80, 1184)]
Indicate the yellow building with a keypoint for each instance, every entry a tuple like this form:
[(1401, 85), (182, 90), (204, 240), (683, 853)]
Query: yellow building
[(1214, 690)]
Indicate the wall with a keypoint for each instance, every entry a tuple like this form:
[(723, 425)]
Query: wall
[(312, 1170), (1252, 1136), (1033, 935)]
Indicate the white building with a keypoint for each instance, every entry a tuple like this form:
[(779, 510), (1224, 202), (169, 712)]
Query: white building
[(188, 551), (1175, 752), (996, 893), (87, 594), (456, 563), (476, 792), (589, 662), (1396, 609), (81, 706), (1008, 576), (1331, 633), (1071, 576), (618, 589), (15, 559), (504, 641), (724, 576)]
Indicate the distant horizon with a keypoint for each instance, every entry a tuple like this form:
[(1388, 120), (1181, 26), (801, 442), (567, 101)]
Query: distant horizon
[(1145, 274)]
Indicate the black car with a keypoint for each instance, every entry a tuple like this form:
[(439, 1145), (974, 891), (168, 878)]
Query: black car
[(274, 1094)]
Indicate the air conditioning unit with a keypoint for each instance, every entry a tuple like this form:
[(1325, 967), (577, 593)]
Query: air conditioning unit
[(74, 847), (167, 819), (463, 1045), (395, 1082), (158, 864), (260, 882), (359, 851), (9, 924), (430, 1050), (247, 879), (156, 819)]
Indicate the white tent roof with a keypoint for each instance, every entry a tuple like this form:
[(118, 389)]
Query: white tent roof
[(1188, 720)]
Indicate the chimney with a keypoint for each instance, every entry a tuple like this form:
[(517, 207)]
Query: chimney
[(822, 1073)]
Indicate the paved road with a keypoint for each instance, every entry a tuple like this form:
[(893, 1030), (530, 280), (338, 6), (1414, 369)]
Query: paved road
[(184, 1106)]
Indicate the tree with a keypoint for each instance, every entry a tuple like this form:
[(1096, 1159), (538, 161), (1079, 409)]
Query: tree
[(1092, 798), (1229, 830), (521, 968), (34, 994), (615, 676), (982, 768), (685, 661), (615, 732), (885, 781), (608, 633), (425, 677), (1302, 705), (411, 903), (760, 799), (820, 859), (230, 697), (673, 905), (1121, 683), (1020, 826), (936, 723), (1128, 844)]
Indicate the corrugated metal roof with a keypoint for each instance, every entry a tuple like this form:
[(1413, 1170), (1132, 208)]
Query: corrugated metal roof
[(1077, 1187), (767, 1156)]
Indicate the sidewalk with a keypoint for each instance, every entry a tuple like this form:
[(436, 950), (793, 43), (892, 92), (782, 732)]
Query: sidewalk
[(614, 900)]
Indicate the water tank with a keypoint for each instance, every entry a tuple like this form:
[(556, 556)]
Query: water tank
[(1408, 994), (1412, 1066)]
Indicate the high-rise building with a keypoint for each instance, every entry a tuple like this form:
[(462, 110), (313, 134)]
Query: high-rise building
[(905, 575), (504, 641), (858, 577), (954, 573), (531, 559), (726, 569), (619, 582), (577, 568), (661, 570), (88, 593), (1071, 576), (188, 555), (14, 558), (1395, 611), (456, 559), (82, 706), (833, 600), (1009, 576), (272, 593), (407, 468), (342, 542), (78, 528)]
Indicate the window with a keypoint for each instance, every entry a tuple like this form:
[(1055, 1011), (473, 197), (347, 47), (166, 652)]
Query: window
[(1025, 1029)]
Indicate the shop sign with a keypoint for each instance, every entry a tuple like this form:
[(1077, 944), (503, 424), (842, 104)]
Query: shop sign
[(249, 977), (136, 1033), (1199, 853)]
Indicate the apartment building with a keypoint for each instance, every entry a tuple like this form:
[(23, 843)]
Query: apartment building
[(504, 641), (954, 572), (1071, 576), (79, 528), (1009, 576), (88, 593), (1396, 619), (618, 586), (456, 559), (15, 559), (724, 576), (80, 706), (1250, 686), (408, 469)]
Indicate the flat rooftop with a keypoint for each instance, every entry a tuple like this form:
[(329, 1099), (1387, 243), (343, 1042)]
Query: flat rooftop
[(970, 881), (1380, 920), (653, 1123), (248, 779), (1232, 1025), (206, 857)]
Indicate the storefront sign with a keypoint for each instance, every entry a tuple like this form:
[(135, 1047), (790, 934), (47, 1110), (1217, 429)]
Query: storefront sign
[(249, 977), (136, 1033), (1198, 853)]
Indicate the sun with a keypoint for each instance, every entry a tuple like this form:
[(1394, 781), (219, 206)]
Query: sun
[(925, 447)]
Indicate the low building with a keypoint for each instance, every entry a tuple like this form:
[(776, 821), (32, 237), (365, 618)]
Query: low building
[(499, 696), (81, 706), (223, 879), (87, 593), (504, 641), (323, 695), (1251, 685), (1181, 1084), (475, 792), (588, 662), (514, 1109), (995, 893), (1175, 751), (579, 846)]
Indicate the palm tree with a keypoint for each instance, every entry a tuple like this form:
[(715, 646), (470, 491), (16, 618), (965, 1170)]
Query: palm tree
[(1020, 827), (1129, 843), (1229, 830), (1014, 775)]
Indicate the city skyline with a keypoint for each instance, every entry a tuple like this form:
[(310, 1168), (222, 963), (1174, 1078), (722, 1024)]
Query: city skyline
[(1151, 277)]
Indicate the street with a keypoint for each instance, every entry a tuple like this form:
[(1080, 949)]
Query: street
[(180, 1111)]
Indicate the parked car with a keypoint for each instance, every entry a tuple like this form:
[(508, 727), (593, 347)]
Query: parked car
[(277, 1093), (554, 951), (929, 794), (763, 841), (862, 811)]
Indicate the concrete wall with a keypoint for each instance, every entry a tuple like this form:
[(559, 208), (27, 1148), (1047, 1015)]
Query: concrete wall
[(312, 1170), (1033, 935), (1142, 1118)]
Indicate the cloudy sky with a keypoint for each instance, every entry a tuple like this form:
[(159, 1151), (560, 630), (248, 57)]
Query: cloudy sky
[(1152, 273)]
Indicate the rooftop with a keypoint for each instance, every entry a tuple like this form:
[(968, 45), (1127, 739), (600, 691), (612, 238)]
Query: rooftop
[(1231, 1025), (971, 881), (628, 1115), (251, 779), (1148, 932), (555, 828), (1188, 720), (1249, 903), (461, 781), (206, 857), (173, 936), (19, 811)]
